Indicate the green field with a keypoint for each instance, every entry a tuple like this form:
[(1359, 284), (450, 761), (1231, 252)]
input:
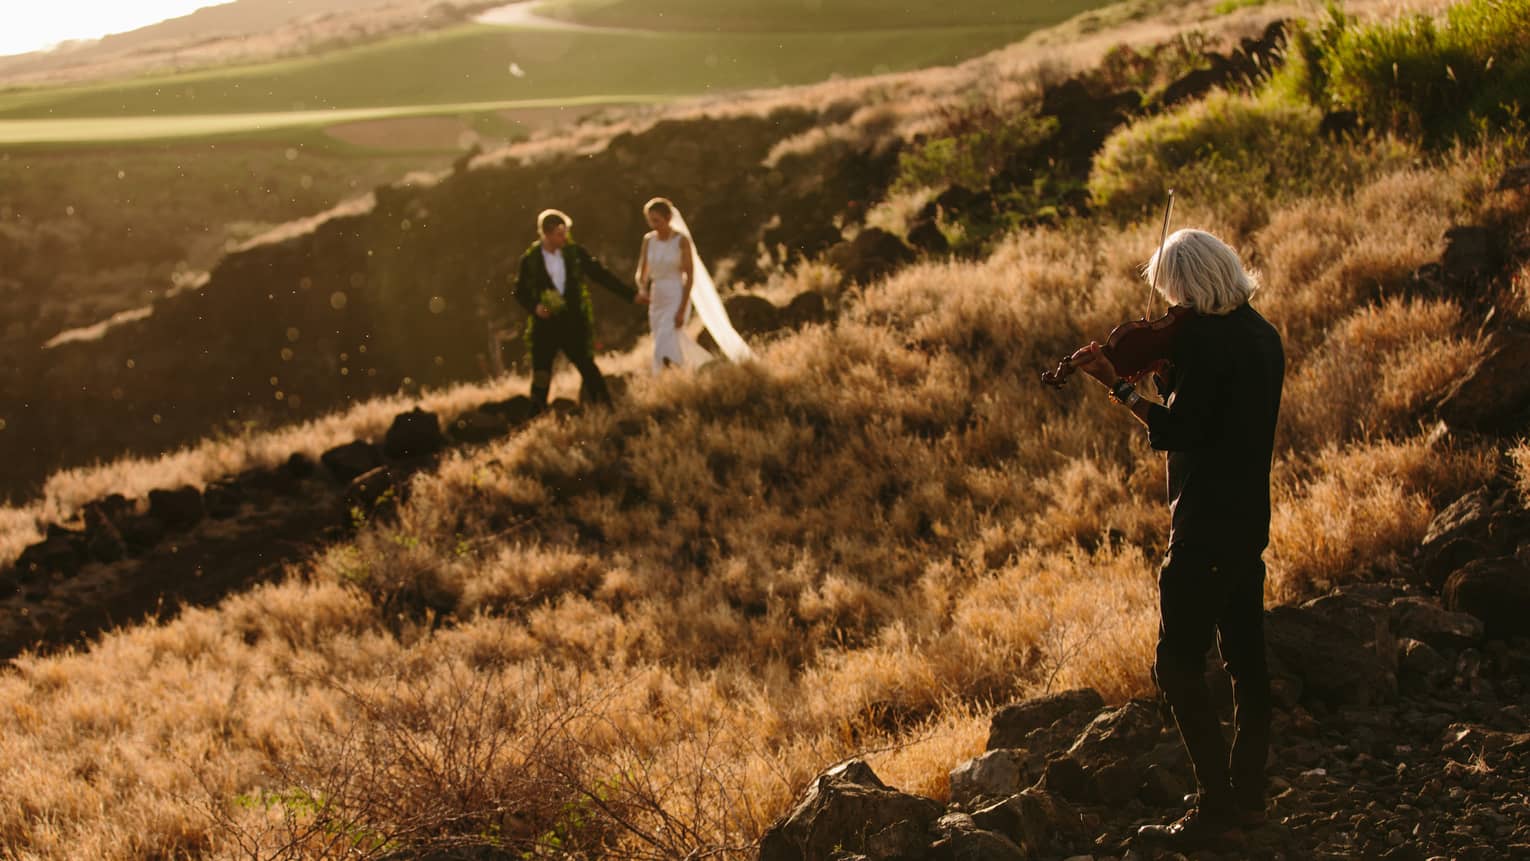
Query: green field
[(479, 68)]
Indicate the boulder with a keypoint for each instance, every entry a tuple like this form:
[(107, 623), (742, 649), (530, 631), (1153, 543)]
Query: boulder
[(52, 557), (995, 774), (1117, 734), (1424, 619), (1032, 820), (479, 426), (416, 433), (1012, 725), (962, 840), (346, 462), (1117, 782), (1497, 591), (177, 509), (752, 315), (372, 495), (843, 810), (1162, 787), (927, 236), (1495, 390), (805, 308), (1420, 667), (515, 411), (103, 541), (1339, 647), (279, 481), (223, 498), (299, 465), (1065, 778), (1472, 254), (141, 531), (872, 254)]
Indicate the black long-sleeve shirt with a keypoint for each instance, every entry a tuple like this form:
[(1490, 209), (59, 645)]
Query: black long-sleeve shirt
[(1219, 430)]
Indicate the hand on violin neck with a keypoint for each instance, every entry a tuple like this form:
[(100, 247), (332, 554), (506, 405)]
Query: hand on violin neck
[(1093, 361)]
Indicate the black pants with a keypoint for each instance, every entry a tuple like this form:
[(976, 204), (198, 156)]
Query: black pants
[(1201, 595), (546, 343)]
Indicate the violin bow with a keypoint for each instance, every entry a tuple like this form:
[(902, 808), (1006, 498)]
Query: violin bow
[(1163, 237)]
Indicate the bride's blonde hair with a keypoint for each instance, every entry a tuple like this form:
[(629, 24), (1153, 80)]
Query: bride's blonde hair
[(662, 205)]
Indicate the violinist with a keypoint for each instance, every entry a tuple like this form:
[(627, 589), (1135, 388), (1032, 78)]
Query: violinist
[(1217, 427)]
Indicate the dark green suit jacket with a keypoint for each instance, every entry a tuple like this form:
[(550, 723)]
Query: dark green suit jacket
[(577, 317)]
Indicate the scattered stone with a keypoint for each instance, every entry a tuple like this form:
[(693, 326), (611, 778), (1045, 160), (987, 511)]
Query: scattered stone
[(479, 426), (1335, 648), (995, 774), (841, 811), (1162, 787), (752, 315), (1424, 619), (1031, 819), (1117, 734), (927, 236), (516, 411), (962, 840), (1421, 667), (416, 433), (1493, 393), (177, 509), (806, 308), (1065, 778), (871, 255), (1497, 591), (51, 557), (1012, 725), (353, 459), (372, 495)]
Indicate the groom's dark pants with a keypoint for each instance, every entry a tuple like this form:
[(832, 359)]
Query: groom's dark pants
[(1205, 594), (548, 339)]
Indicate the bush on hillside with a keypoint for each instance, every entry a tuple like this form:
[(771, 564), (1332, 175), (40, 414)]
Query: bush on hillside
[(1229, 147), (975, 144), (1437, 79)]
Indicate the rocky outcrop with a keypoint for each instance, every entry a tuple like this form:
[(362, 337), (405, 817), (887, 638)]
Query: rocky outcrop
[(1497, 591), (848, 809), (1494, 394)]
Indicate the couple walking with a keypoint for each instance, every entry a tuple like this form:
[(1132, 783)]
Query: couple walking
[(553, 287)]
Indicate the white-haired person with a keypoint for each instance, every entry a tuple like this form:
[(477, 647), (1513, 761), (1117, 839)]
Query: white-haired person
[(553, 287), (1218, 430)]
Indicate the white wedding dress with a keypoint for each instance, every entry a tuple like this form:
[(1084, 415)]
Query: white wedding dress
[(672, 347)]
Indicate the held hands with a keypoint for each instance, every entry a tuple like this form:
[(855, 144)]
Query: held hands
[(680, 318), (543, 311)]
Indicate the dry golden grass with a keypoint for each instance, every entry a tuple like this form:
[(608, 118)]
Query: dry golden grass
[(859, 543)]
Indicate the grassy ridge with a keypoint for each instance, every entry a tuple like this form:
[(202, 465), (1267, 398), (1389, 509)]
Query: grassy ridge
[(810, 15), (473, 63)]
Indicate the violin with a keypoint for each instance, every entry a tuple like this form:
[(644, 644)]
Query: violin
[(1136, 348)]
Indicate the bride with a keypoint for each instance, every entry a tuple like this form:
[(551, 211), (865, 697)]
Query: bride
[(673, 279)]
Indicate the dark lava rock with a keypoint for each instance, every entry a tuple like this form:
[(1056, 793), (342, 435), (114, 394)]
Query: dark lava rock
[(1162, 787), (348, 461), (177, 509), (1337, 649), (962, 840), (1064, 777), (1472, 254), (300, 465), (753, 315), (1497, 591), (994, 774), (872, 254), (223, 498), (1424, 619), (1032, 819), (805, 308), (414, 434), (1495, 391), (515, 411), (1011, 725), (844, 810), (479, 426), (51, 557), (374, 494), (141, 531), (927, 236), (1117, 734)]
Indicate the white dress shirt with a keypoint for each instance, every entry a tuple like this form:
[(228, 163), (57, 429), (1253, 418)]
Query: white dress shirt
[(555, 268)]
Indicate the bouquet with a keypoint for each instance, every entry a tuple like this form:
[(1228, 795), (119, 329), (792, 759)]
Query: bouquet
[(552, 300)]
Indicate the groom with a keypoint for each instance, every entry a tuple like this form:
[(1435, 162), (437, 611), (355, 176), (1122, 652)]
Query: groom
[(553, 287)]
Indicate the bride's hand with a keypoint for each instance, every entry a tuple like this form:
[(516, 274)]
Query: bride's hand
[(641, 298), (680, 318)]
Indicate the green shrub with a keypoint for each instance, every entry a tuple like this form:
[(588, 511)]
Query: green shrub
[(976, 144), (1439, 80), (1227, 146)]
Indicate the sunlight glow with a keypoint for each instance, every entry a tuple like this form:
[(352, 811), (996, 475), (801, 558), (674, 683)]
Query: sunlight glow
[(38, 26)]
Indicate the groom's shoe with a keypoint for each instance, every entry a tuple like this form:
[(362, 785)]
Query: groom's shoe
[(1200, 828)]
